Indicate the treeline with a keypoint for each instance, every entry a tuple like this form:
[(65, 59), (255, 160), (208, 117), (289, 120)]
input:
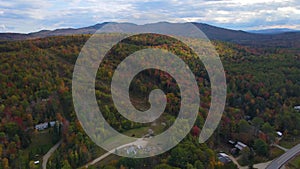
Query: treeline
[(35, 75)]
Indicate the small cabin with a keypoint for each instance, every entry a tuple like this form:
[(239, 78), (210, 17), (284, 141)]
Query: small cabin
[(279, 134), (231, 142)]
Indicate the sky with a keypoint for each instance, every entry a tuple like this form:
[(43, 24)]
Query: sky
[(24, 16)]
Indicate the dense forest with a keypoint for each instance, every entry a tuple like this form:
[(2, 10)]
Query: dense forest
[(263, 86)]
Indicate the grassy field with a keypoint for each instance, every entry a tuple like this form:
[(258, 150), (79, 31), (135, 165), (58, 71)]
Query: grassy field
[(137, 132), (41, 143), (111, 159), (294, 163), (275, 152), (289, 141), (142, 131)]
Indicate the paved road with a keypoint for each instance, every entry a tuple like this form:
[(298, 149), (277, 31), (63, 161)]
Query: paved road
[(280, 161), (258, 166), (235, 161), (280, 147), (49, 153), (261, 165), (140, 142)]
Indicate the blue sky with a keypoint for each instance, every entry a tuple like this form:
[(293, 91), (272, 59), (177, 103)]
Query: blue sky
[(34, 15)]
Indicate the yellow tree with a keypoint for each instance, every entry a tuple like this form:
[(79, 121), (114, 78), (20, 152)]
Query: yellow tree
[(5, 163)]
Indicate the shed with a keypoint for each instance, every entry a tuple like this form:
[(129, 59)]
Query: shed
[(279, 134)]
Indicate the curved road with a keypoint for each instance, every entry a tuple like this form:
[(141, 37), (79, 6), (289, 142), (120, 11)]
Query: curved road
[(280, 161), (140, 141), (49, 153), (259, 165)]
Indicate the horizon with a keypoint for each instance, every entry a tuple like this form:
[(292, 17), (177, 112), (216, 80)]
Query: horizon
[(86, 26), (32, 15)]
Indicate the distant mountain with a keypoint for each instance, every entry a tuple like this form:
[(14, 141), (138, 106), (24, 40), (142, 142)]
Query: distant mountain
[(47, 33), (273, 31), (284, 39)]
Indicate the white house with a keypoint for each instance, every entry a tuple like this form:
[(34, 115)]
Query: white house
[(131, 150), (52, 123), (45, 125), (240, 145), (297, 108), (224, 158), (41, 126)]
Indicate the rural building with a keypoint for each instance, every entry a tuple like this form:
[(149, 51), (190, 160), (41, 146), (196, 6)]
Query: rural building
[(297, 108), (52, 123), (45, 125), (131, 150), (240, 145), (224, 158), (279, 134), (41, 126)]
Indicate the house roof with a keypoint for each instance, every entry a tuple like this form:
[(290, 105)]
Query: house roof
[(231, 141), (240, 145), (224, 158), (297, 107), (279, 133)]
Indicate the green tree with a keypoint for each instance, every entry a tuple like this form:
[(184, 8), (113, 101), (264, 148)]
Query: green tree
[(244, 126), (257, 123), (199, 165), (179, 157), (32, 165), (105, 167), (11, 129), (66, 165), (261, 147), (164, 166), (245, 153), (270, 131), (190, 166)]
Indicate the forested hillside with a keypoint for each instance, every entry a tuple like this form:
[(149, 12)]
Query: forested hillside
[(35, 82)]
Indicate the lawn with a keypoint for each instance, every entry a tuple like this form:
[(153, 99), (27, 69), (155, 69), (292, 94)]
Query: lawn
[(294, 163), (275, 152), (142, 131), (289, 141), (137, 132), (41, 142)]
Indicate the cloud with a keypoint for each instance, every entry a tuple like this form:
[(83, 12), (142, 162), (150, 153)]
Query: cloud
[(2, 27), (32, 15)]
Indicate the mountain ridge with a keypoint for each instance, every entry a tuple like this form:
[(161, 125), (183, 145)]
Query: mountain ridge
[(284, 39), (273, 31)]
